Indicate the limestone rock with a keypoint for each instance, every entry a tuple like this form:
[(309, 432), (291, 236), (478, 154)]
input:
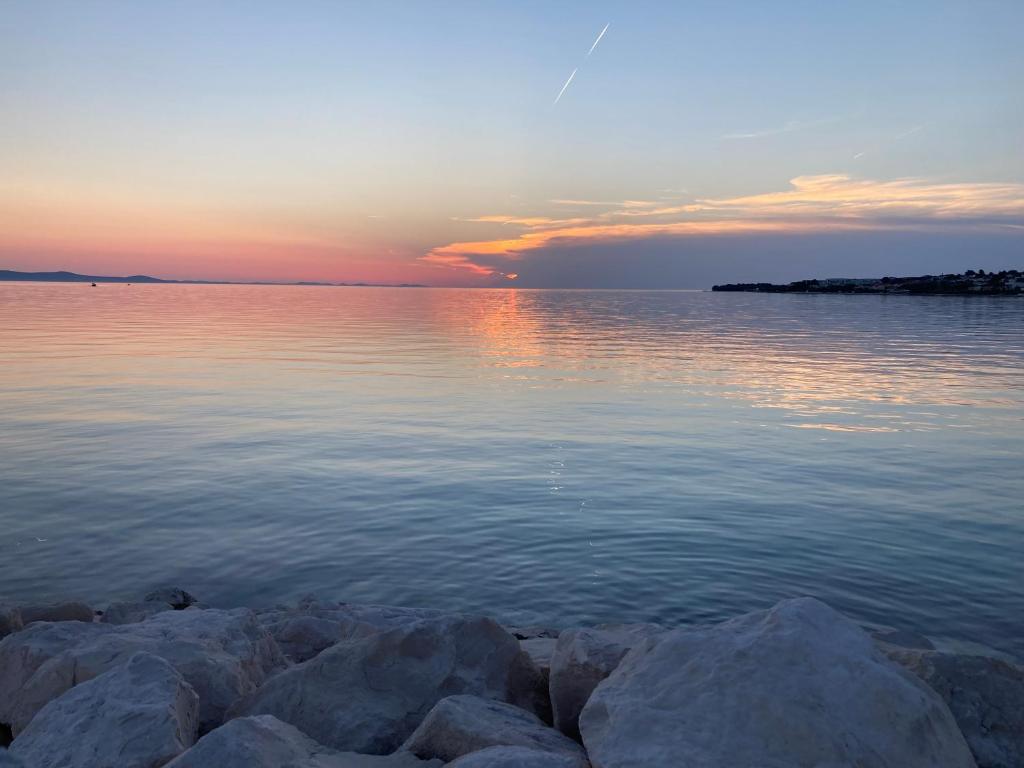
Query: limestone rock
[(10, 620), (167, 599), (798, 685), (582, 659), (222, 654), (140, 714), (266, 742), (985, 695), (314, 625), (514, 757), (56, 612), (368, 693), (132, 613), (175, 598), (458, 725)]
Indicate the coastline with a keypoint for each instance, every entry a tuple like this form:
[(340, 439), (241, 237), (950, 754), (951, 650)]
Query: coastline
[(167, 681), (970, 283)]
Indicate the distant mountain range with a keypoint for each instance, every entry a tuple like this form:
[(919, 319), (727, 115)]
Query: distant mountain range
[(11, 275)]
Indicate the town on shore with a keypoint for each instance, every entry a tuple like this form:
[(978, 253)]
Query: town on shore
[(1008, 282), (167, 681)]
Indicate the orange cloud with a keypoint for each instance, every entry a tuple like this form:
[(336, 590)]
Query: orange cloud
[(812, 204)]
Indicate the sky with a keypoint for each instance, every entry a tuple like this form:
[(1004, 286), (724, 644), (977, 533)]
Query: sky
[(494, 144)]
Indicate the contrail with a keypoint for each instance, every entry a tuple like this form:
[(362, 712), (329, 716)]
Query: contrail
[(598, 38), (565, 86)]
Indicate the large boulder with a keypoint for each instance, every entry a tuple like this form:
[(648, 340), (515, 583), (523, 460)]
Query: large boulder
[(584, 657), (368, 693), (313, 625), (514, 757), (140, 714), (132, 613), (174, 597), (985, 695), (10, 620), (266, 742), (157, 601), (458, 725), (70, 611), (222, 654), (798, 685)]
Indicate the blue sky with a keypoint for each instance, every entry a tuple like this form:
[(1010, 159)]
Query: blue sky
[(421, 142)]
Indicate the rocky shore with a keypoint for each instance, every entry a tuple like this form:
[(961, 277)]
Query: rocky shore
[(168, 682)]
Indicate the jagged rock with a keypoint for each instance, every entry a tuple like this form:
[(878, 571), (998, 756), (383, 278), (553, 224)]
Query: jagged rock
[(796, 685), (140, 714), (985, 695), (222, 654), (458, 725), (583, 658), (314, 625), (266, 742), (367, 694), (56, 612), (176, 598), (10, 620), (514, 757)]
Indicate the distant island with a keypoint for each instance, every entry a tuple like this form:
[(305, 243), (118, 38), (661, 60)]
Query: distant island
[(11, 275), (971, 283)]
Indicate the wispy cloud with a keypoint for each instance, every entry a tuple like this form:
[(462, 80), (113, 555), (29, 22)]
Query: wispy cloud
[(898, 137), (790, 127), (811, 204)]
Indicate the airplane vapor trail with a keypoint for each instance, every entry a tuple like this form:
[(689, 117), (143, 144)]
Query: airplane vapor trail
[(598, 39), (566, 85)]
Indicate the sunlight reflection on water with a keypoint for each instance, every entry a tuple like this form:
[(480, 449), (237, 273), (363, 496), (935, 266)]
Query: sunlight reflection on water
[(551, 455)]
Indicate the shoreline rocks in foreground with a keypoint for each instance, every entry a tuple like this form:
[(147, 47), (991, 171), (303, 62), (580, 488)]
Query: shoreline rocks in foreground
[(165, 681)]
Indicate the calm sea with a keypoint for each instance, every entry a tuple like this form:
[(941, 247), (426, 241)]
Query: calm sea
[(555, 456)]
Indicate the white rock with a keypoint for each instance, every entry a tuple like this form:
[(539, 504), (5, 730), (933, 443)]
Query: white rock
[(167, 599), (367, 694), (71, 611), (583, 658), (132, 613), (797, 686), (140, 714), (314, 625), (985, 695), (10, 620), (458, 725), (173, 597), (222, 654), (266, 742), (514, 757)]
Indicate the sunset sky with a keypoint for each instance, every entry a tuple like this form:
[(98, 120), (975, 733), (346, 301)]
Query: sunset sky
[(438, 143)]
